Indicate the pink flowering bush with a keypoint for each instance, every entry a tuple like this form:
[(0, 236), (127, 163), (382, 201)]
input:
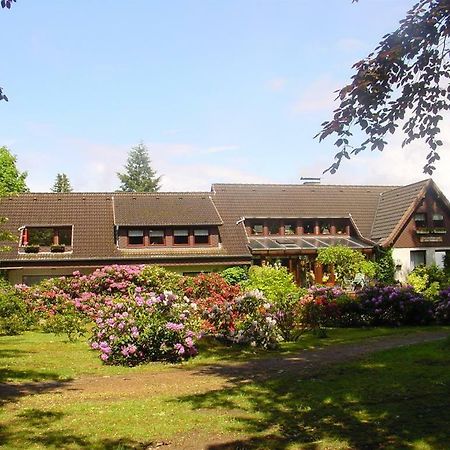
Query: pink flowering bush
[(52, 308), (144, 327), (256, 322)]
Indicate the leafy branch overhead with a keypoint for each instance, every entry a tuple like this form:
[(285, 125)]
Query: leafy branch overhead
[(5, 4), (402, 84)]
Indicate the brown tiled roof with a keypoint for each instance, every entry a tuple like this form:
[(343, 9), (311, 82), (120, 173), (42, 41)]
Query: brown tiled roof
[(376, 211), (165, 209), (393, 206), (90, 215), (235, 201)]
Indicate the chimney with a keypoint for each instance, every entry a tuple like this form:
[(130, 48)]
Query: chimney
[(310, 180)]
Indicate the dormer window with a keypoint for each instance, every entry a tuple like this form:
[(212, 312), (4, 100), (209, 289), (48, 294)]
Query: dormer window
[(274, 227), (181, 237), (257, 229), (308, 227), (135, 237), (156, 237), (54, 239), (289, 228), (420, 219), (201, 236), (325, 227)]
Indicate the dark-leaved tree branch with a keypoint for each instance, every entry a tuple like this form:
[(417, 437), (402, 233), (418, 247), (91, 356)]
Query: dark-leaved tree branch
[(403, 83)]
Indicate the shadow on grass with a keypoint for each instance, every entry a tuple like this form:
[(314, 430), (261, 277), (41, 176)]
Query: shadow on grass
[(391, 400), (33, 428)]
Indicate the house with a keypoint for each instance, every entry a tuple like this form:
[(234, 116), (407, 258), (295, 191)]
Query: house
[(233, 224)]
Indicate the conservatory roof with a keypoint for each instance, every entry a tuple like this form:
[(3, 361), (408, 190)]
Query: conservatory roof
[(264, 244)]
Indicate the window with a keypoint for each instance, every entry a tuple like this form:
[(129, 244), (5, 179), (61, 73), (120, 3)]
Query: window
[(289, 228), (439, 257), (156, 237), (341, 227), (274, 227), (40, 236), (65, 236), (438, 220), (47, 236), (135, 237), (418, 258), (324, 227), (181, 237), (201, 236), (30, 280), (308, 227), (420, 220), (257, 229)]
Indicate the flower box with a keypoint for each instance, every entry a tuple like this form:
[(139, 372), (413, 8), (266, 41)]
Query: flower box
[(57, 248), (31, 249)]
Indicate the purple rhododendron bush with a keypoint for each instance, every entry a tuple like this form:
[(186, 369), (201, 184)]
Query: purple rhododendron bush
[(145, 327), (442, 308)]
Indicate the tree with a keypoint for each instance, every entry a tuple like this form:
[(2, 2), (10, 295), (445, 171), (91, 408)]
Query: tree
[(138, 175), (62, 183), (346, 262), (403, 83), (12, 181)]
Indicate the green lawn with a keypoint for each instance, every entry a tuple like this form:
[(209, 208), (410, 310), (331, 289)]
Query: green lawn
[(392, 400)]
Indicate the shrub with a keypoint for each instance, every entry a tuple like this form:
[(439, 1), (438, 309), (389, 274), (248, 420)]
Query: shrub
[(391, 305), (277, 285), (324, 306), (14, 315), (442, 307), (158, 279), (385, 266), (428, 280), (276, 282), (235, 275), (144, 327), (215, 299), (114, 279), (256, 323), (53, 309)]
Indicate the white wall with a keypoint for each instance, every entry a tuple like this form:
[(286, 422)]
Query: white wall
[(402, 259)]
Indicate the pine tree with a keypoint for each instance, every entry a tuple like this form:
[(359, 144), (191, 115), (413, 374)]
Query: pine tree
[(62, 183), (139, 175)]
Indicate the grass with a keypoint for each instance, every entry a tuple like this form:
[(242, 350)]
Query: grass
[(392, 399), (37, 356)]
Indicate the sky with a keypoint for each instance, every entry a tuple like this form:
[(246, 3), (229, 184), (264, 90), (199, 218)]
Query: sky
[(218, 90)]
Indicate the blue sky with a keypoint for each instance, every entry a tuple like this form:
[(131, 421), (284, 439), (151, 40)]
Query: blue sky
[(220, 91)]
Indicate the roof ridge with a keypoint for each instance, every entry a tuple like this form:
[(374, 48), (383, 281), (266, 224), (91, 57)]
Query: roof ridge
[(424, 182), (308, 185)]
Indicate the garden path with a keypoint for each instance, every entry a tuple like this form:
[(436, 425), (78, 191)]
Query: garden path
[(181, 380)]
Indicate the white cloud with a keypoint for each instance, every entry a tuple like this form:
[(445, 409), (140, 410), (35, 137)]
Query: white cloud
[(393, 166), (317, 97)]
